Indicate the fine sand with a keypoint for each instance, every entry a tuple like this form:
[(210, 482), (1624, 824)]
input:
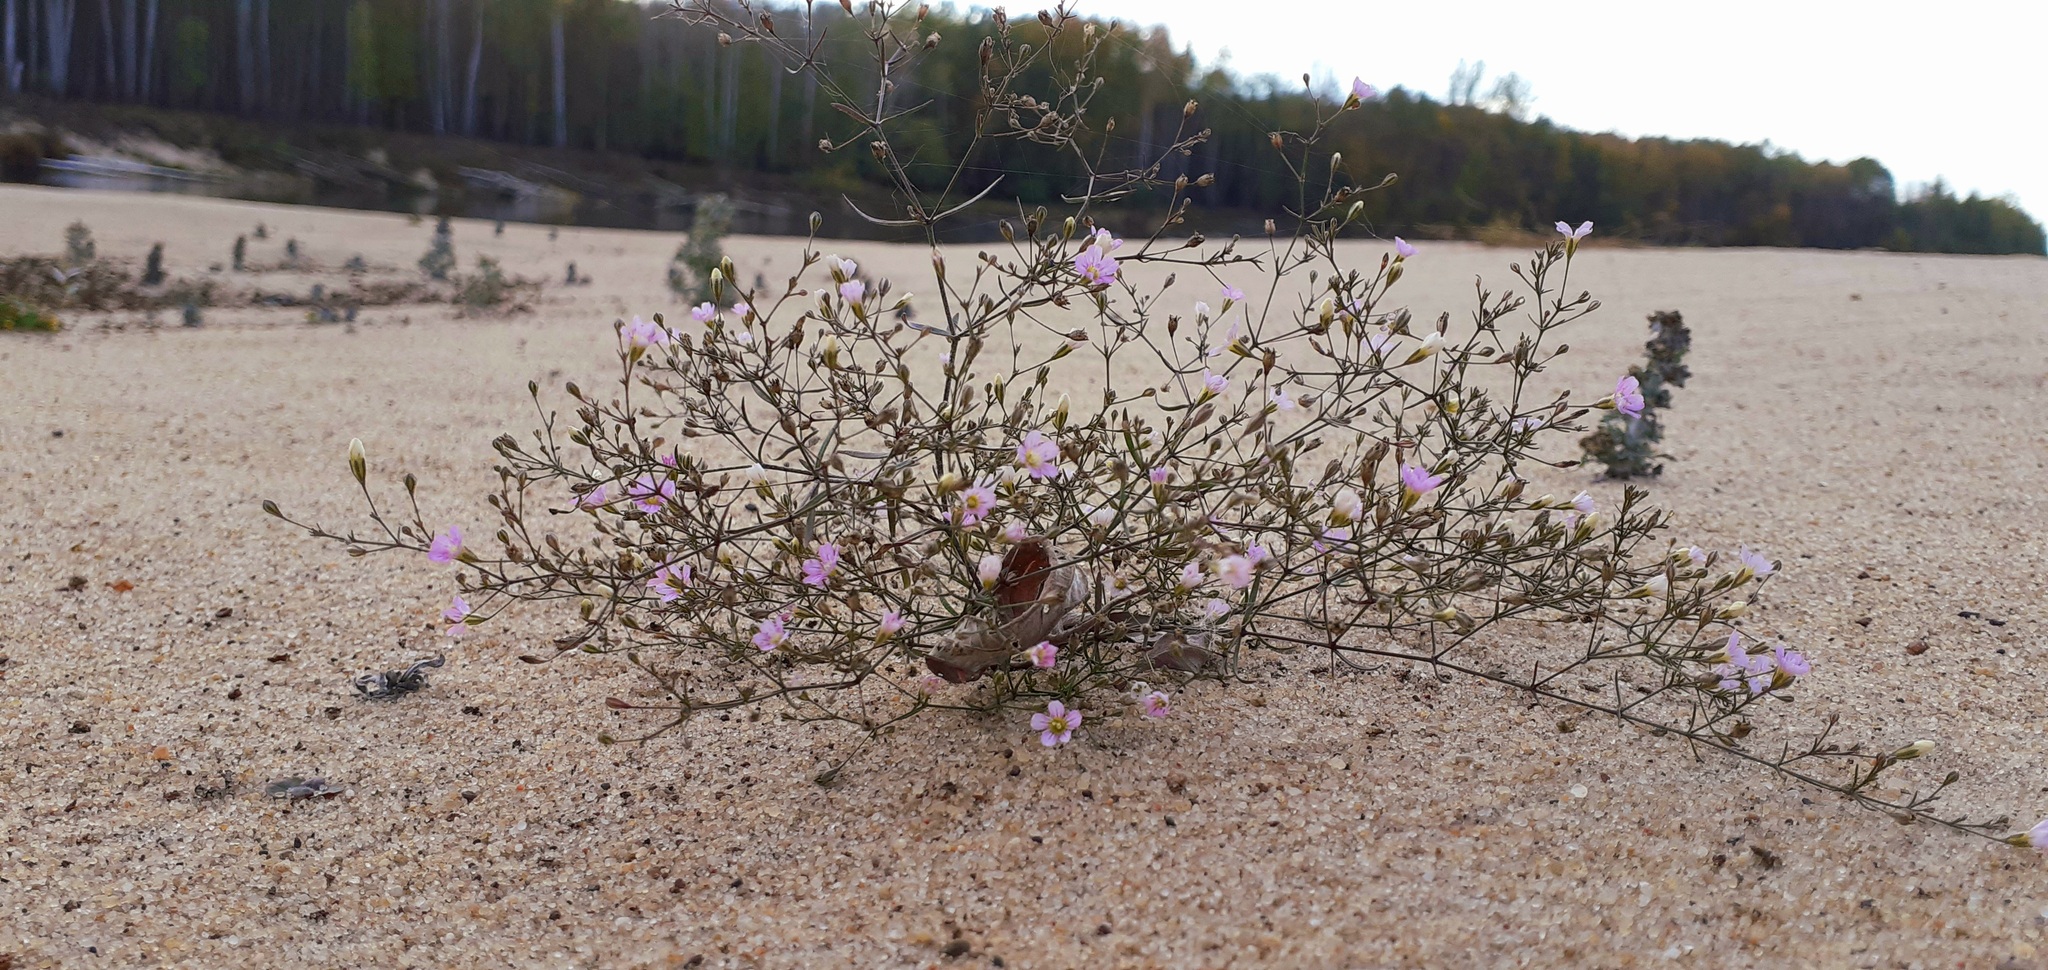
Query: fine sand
[(1875, 421)]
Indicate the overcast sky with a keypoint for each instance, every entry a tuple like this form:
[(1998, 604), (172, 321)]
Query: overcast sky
[(1951, 88)]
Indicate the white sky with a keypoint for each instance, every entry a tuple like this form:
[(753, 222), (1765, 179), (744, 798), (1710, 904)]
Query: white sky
[(1950, 88)]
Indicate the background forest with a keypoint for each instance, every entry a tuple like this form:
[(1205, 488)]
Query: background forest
[(609, 75)]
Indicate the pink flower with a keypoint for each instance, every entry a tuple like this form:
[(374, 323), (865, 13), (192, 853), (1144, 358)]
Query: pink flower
[(1755, 561), (1381, 342), (989, 570), (1628, 396), (1258, 555), (741, 309), (1043, 656), (772, 633), (704, 312), (852, 290), (1216, 608), (843, 268), (1056, 726), (648, 493), (892, 622), (1201, 310), (1155, 704), (669, 581), (1362, 91), (2038, 836), (1402, 249), (1697, 555), (1235, 571), (1282, 401), (1418, 480), (645, 333), (1333, 537), (594, 498), (1232, 293), (1192, 577), (1582, 504), (1791, 661), (1743, 669), (1095, 266), (1160, 475), (1014, 532), (819, 572), (455, 614), (1039, 455), (978, 501), (1584, 229), (446, 546), (1215, 383)]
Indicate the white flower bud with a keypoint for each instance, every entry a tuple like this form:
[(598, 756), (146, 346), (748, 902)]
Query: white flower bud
[(1914, 750)]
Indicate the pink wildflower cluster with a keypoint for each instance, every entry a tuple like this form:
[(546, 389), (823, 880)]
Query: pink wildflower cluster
[(1757, 671)]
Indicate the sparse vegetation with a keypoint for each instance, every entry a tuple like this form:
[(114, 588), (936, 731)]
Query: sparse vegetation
[(17, 316), (689, 273), (79, 248), (1627, 444), (440, 258)]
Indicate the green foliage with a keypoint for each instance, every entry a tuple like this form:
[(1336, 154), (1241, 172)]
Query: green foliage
[(485, 289), (1628, 446), (192, 63), (689, 273), (440, 258), (16, 316)]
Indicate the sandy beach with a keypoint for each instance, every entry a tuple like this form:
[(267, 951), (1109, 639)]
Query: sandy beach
[(1876, 421)]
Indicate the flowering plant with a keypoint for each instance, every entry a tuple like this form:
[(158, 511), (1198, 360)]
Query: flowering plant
[(1075, 490)]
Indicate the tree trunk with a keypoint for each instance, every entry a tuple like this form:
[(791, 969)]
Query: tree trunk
[(263, 81), (8, 67), (131, 57), (111, 55), (245, 51), (147, 80), (561, 81), (58, 18), (476, 63)]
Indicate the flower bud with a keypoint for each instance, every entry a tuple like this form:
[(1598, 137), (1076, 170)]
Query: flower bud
[(1430, 345), (1326, 312), (1914, 750), (830, 349), (358, 462), (1731, 611), (1059, 413), (1067, 228), (990, 570), (1657, 585)]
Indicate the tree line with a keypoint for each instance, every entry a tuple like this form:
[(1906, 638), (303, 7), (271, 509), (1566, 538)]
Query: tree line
[(612, 75)]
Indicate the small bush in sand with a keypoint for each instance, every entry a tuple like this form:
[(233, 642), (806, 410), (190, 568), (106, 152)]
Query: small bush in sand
[(440, 258), (153, 267), (79, 249), (798, 502), (1626, 441), (18, 316), (241, 253), (689, 273)]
